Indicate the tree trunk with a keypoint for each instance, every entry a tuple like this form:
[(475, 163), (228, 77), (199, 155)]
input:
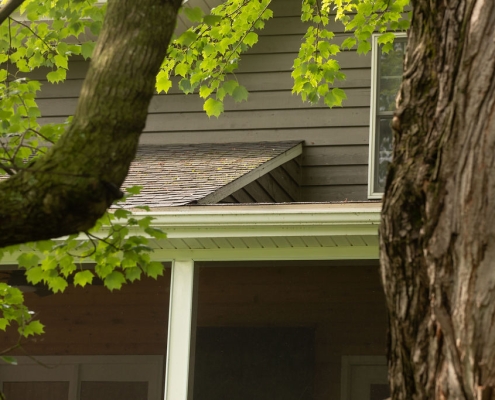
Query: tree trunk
[(70, 188), (437, 235)]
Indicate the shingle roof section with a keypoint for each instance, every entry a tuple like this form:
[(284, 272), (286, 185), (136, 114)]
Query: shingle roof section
[(174, 175)]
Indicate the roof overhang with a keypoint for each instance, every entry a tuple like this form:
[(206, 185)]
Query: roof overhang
[(343, 231), (268, 232)]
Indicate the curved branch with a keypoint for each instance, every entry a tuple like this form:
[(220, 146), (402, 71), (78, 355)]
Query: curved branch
[(72, 186)]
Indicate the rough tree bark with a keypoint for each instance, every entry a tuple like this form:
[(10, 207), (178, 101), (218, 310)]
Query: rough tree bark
[(70, 188), (438, 226)]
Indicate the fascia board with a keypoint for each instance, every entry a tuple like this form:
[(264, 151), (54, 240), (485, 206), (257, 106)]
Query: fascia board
[(267, 221)]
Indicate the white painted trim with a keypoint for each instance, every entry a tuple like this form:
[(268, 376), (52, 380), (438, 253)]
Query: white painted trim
[(182, 287), (372, 194), (275, 217)]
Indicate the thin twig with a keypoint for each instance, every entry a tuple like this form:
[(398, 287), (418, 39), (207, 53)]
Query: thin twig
[(50, 48), (40, 134)]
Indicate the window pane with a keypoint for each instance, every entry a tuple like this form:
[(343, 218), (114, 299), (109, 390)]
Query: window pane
[(390, 75), (383, 154), (279, 332), (36, 390)]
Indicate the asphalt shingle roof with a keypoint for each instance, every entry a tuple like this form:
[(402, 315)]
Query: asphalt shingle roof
[(174, 175)]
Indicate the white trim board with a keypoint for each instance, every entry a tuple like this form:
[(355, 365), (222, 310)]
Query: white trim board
[(372, 194)]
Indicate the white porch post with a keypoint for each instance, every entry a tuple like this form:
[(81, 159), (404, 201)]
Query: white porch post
[(181, 322)]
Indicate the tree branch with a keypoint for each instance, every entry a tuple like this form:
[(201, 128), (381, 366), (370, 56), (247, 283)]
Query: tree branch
[(66, 191), (8, 9)]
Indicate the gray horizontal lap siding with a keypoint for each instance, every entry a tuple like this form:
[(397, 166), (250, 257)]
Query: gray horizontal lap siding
[(335, 158)]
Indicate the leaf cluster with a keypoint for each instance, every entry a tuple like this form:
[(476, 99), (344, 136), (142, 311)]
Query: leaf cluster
[(316, 68), (205, 54), (114, 251), (42, 36)]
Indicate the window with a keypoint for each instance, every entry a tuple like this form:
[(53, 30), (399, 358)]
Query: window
[(386, 75)]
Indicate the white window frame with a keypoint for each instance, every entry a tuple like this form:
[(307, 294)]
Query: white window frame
[(372, 193)]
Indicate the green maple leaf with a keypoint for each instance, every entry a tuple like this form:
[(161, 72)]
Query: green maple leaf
[(115, 280), (82, 278), (213, 107)]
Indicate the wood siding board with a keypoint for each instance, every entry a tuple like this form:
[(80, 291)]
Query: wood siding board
[(229, 199), (246, 120), (259, 119), (258, 193), (171, 103), (287, 8), (334, 193), (265, 81), (243, 197), (274, 44), (294, 25), (294, 170), (335, 175), (335, 155), (284, 61), (287, 183), (274, 188), (330, 136), (67, 89)]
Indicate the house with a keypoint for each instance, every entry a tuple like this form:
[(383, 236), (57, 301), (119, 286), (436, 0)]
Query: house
[(272, 288)]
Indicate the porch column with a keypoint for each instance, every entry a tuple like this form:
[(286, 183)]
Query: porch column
[(181, 329)]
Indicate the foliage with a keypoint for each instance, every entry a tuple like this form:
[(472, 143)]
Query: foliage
[(117, 249), (42, 37), (206, 56)]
